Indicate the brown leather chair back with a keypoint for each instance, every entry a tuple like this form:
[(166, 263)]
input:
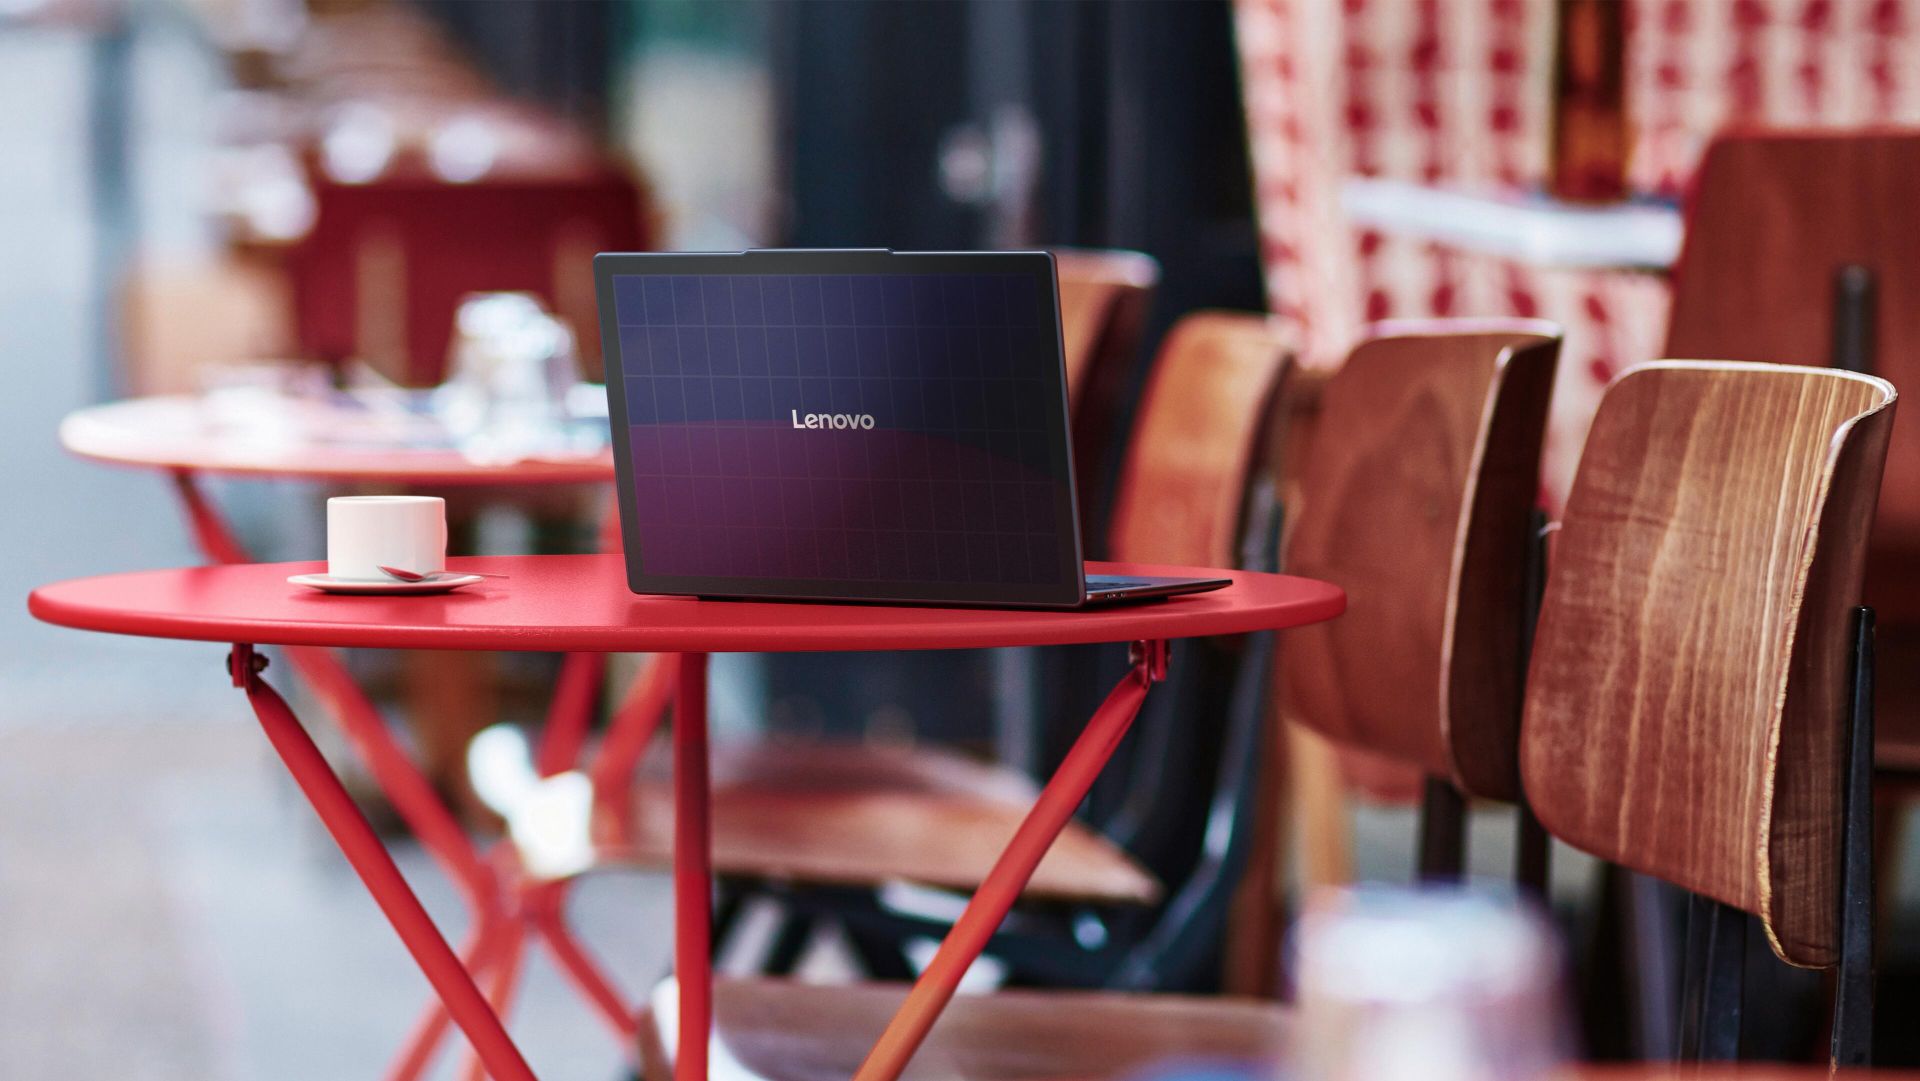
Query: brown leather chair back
[(1416, 498), (1686, 705), (1773, 218), (1208, 399)]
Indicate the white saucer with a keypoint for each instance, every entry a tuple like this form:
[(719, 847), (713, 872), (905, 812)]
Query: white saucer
[(328, 584)]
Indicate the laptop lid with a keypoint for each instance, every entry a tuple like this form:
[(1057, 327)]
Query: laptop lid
[(841, 425)]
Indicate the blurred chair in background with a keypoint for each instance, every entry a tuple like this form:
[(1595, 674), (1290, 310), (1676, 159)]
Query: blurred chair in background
[(1104, 297), (1699, 703), (383, 270)]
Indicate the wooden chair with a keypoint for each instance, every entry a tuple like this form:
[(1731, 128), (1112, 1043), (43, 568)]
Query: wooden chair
[(1698, 707), (858, 815), (1103, 302), (1437, 426), (1104, 296), (1799, 249), (1418, 497)]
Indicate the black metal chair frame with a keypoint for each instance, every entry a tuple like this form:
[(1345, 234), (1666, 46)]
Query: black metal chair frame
[(1714, 962), (1443, 819)]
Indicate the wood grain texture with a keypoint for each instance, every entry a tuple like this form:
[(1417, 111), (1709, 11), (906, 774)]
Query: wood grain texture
[(1773, 216), (1416, 498), (1202, 417), (1685, 710), (785, 1031), (858, 814)]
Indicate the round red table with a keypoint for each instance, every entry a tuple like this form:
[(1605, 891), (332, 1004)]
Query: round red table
[(581, 603)]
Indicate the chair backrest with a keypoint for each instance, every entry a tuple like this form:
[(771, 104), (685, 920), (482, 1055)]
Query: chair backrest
[(1416, 497), (1184, 482), (1686, 704), (1773, 218), (386, 264), (1104, 297)]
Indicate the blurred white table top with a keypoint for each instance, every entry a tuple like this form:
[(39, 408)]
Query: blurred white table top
[(1531, 228)]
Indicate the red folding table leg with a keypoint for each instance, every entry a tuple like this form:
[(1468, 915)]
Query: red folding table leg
[(692, 870), (1001, 888), (502, 983), (431, 1028), (357, 840), (210, 532), (570, 715), (632, 727), (548, 913)]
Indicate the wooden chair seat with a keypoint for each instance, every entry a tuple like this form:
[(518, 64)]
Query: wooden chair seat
[(779, 1030), (856, 814)]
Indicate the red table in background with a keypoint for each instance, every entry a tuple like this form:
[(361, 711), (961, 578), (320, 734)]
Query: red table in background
[(259, 434), (581, 604)]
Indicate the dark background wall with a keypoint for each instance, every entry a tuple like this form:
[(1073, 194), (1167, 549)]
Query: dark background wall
[(1136, 107)]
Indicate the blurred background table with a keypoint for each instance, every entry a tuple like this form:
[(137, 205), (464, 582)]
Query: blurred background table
[(340, 438), (1531, 228)]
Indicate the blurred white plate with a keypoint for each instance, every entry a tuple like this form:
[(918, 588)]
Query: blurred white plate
[(328, 584)]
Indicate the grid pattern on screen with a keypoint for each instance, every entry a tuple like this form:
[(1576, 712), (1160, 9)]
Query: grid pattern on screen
[(931, 462)]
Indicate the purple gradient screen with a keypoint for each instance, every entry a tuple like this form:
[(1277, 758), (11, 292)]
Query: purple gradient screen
[(858, 428)]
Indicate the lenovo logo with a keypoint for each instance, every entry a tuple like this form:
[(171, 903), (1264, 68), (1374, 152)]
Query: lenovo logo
[(832, 420)]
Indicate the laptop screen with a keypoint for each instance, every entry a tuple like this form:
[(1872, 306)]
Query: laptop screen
[(861, 433)]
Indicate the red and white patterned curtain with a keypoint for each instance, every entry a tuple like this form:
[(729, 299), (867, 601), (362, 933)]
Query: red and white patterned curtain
[(1458, 92)]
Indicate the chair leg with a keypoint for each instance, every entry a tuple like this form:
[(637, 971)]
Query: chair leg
[(880, 954), (1532, 853), (1693, 981), (729, 900), (1713, 982), (1853, 993), (789, 944), (1443, 832), (1726, 984), (1653, 910), (1532, 846)]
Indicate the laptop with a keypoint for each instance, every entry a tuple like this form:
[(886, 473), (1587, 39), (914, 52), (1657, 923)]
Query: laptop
[(847, 425)]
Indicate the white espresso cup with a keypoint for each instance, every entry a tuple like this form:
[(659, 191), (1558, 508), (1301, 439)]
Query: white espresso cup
[(367, 532)]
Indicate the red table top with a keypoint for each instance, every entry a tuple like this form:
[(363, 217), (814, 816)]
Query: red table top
[(566, 603), (182, 433)]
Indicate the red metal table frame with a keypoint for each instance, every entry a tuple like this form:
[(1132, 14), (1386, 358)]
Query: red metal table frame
[(177, 435), (580, 604)]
